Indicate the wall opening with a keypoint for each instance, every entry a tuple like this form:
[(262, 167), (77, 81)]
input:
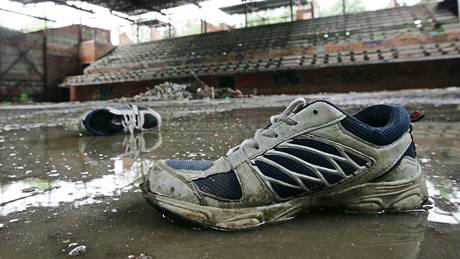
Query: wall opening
[(285, 78), (227, 82)]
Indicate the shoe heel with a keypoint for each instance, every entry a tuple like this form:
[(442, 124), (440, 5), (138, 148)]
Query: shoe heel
[(388, 198), (403, 189)]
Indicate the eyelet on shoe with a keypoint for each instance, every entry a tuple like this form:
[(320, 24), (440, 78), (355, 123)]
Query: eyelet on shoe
[(315, 112)]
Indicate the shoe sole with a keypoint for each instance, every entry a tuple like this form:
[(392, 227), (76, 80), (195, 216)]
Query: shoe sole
[(396, 196)]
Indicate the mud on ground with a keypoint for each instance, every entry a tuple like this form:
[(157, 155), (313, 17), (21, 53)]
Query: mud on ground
[(58, 187)]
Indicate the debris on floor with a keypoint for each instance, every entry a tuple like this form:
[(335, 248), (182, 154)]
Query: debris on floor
[(175, 91), (78, 250), (141, 256), (94, 179)]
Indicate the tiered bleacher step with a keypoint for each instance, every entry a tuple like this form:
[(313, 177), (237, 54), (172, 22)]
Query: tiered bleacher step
[(400, 34)]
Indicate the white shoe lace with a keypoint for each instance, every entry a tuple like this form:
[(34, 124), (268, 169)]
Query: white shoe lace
[(294, 106), (132, 120), (136, 144)]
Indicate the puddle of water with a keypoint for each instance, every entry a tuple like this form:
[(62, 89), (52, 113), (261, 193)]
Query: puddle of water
[(51, 167), (57, 188), (438, 146)]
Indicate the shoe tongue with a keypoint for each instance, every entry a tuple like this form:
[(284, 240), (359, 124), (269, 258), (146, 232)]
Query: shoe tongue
[(298, 105), (115, 125), (116, 121), (120, 110), (115, 111), (294, 107)]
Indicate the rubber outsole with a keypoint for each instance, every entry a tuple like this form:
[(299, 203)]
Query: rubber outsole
[(396, 196)]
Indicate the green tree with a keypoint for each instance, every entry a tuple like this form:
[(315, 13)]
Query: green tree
[(34, 26), (269, 16), (187, 27), (351, 6)]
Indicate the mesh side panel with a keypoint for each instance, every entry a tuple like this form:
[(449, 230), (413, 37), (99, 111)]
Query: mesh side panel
[(292, 165), (360, 161), (380, 124), (317, 145), (273, 172), (284, 191), (310, 157), (331, 178), (224, 185), (346, 167), (312, 185), (197, 165)]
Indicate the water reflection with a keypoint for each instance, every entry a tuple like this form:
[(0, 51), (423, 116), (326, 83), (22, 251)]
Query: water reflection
[(324, 235), (438, 146), (48, 193), (57, 169), (100, 148), (52, 174), (446, 198)]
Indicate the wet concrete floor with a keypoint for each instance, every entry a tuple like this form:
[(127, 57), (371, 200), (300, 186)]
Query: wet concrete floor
[(58, 187)]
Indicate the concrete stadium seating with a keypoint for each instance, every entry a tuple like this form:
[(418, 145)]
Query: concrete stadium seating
[(390, 35)]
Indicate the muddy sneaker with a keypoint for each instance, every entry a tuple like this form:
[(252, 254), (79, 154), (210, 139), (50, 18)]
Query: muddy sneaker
[(127, 119), (310, 156)]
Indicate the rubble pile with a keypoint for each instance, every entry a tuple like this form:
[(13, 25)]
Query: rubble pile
[(175, 91), (167, 91)]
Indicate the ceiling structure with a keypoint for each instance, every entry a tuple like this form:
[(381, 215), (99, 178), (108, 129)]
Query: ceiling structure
[(138, 7), (153, 23), (259, 6), (129, 7)]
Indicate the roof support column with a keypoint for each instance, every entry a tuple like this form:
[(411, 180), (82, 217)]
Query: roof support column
[(246, 14), (312, 7), (137, 32), (292, 10), (45, 61), (204, 22), (1, 66), (458, 9), (169, 27)]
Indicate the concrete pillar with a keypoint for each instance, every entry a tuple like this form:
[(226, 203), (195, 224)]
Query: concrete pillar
[(45, 61), (73, 94), (169, 27), (246, 15), (458, 9)]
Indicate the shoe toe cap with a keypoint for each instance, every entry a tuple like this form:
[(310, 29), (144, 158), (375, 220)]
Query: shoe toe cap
[(152, 119), (161, 181)]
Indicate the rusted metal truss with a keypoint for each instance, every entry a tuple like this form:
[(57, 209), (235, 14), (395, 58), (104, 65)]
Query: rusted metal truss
[(130, 7)]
